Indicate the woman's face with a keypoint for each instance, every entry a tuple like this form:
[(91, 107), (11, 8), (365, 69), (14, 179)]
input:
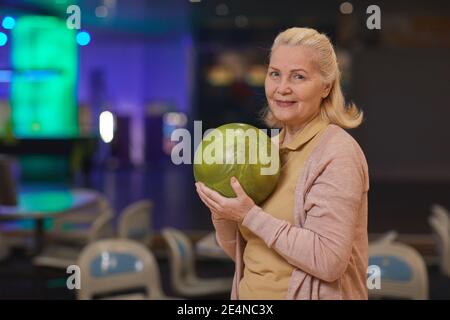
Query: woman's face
[(293, 85)]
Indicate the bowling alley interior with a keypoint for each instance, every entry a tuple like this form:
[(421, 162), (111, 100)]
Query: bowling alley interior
[(96, 200)]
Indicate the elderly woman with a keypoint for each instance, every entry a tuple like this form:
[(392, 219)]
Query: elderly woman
[(308, 240)]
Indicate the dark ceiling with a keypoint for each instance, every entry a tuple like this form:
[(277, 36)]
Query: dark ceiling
[(156, 17)]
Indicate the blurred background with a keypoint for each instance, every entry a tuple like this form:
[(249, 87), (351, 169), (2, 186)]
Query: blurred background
[(90, 92)]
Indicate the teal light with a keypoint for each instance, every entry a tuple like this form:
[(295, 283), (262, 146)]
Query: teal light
[(43, 87), (3, 39), (51, 201), (83, 38), (8, 22)]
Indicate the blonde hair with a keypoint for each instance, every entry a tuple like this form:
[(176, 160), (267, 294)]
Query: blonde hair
[(333, 107)]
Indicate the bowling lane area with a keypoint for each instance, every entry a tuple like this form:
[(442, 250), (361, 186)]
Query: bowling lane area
[(104, 102)]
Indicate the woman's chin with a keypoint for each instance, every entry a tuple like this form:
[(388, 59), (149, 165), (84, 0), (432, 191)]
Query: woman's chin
[(283, 116)]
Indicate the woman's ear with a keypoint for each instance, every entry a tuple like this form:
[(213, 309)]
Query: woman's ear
[(326, 90)]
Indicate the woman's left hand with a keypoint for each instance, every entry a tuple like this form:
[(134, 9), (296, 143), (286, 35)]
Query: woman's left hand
[(234, 209)]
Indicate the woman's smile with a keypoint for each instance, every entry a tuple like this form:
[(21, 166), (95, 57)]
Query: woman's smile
[(285, 103)]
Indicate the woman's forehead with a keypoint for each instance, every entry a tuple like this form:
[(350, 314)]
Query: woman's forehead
[(292, 57)]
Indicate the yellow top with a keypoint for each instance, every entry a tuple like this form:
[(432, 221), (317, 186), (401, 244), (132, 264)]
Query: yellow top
[(266, 273)]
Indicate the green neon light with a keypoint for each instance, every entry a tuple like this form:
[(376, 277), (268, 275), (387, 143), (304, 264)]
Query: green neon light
[(43, 88)]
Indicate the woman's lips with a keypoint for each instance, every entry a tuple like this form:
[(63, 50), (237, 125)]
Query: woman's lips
[(285, 104)]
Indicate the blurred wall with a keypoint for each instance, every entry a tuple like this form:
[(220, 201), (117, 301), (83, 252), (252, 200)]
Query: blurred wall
[(405, 96), (135, 72)]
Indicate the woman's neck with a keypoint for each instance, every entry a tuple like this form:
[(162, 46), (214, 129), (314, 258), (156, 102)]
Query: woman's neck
[(293, 129), (291, 132)]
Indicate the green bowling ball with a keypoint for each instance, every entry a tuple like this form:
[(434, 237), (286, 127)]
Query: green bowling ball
[(242, 151)]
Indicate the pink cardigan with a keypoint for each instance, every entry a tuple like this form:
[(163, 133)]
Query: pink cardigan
[(328, 243)]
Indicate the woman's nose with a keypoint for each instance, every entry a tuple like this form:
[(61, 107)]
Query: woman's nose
[(284, 88)]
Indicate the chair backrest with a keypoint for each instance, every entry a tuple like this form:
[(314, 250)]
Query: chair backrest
[(441, 213), (104, 205), (387, 237), (114, 265), (439, 221), (135, 222), (181, 255), (101, 207), (101, 228), (403, 271)]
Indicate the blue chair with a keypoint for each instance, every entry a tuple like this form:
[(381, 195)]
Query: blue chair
[(403, 272), (117, 265), (135, 222), (60, 256), (76, 228)]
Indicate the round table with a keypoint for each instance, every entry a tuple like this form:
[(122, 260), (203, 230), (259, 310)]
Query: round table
[(41, 204)]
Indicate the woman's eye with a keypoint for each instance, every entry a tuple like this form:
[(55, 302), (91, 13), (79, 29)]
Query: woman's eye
[(298, 77), (273, 74)]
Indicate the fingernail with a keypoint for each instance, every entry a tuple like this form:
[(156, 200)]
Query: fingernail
[(233, 179)]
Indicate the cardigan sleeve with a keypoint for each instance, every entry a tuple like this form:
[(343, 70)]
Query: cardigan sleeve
[(322, 246)]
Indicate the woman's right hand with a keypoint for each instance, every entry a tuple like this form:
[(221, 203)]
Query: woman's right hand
[(214, 214), (230, 209)]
